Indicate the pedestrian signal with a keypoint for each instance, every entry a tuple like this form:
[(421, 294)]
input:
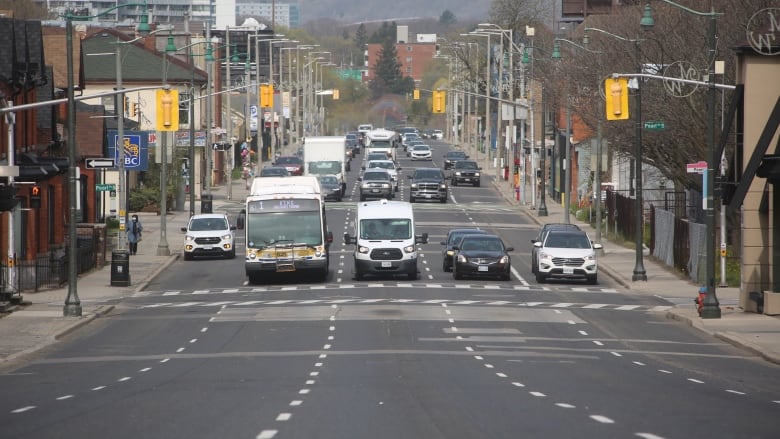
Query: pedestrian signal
[(35, 197), (616, 92)]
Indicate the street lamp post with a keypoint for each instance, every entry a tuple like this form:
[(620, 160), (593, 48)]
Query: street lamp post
[(639, 273), (487, 130), (72, 305), (710, 306), (542, 209), (556, 55), (162, 247)]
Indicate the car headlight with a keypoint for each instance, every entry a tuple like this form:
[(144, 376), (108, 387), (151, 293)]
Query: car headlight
[(504, 260), (450, 252), (364, 186), (188, 238), (590, 257), (462, 259), (226, 237), (385, 185), (544, 255), (409, 249), (443, 186), (457, 173), (476, 174), (363, 250), (414, 185)]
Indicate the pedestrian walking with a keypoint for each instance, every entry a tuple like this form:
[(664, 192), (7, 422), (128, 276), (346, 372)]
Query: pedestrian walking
[(134, 234)]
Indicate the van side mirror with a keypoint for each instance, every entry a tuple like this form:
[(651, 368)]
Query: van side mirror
[(422, 239), (329, 237), (347, 239)]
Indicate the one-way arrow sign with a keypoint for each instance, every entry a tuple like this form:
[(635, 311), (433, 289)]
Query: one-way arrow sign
[(100, 163)]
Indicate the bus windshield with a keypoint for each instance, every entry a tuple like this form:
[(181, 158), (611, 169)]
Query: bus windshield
[(268, 229)]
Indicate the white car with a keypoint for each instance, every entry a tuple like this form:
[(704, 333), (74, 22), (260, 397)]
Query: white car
[(421, 152), (567, 254), (391, 166), (209, 234), (437, 134)]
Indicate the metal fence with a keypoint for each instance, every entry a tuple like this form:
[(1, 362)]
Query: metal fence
[(51, 270), (678, 242)]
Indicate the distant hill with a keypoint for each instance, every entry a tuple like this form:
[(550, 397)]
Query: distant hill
[(351, 11)]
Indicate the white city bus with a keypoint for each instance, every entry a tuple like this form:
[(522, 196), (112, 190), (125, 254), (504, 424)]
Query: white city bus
[(286, 229)]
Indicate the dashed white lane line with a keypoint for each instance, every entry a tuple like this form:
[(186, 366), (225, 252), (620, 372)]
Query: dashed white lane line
[(194, 340), (23, 409), (180, 350), (694, 380), (95, 389), (145, 369), (602, 419), (583, 333), (123, 379), (537, 394), (665, 371), (296, 403), (204, 329), (284, 416), (165, 360), (516, 384), (638, 363), (649, 436), (617, 354), (266, 434), (64, 397), (736, 392), (563, 405), (598, 343), (304, 391)]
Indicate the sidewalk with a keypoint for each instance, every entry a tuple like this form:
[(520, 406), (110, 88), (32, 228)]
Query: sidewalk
[(41, 322), (758, 333)]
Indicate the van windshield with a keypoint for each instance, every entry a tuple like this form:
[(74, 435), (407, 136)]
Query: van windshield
[(386, 228)]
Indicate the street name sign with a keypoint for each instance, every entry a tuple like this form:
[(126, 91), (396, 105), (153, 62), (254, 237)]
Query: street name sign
[(655, 125), (696, 168), (100, 163), (105, 187)]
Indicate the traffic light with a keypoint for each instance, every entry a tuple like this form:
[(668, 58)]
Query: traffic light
[(416, 94), (35, 197), (266, 95), (7, 198), (335, 94), (132, 110), (439, 101), (167, 110), (616, 93)]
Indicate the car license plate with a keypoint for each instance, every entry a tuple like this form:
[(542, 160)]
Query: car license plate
[(568, 270), (427, 195), (207, 247), (374, 191), (387, 264), (482, 268)]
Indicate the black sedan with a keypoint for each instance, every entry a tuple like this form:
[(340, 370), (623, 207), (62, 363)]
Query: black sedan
[(452, 157), (331, 187), (482, 256), (453, 238)]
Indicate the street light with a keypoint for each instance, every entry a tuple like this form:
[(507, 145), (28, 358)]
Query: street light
[(597, 178), (556, 55), (487, 130), (72, 305), (710, 306), (162, 247), (639, 268)]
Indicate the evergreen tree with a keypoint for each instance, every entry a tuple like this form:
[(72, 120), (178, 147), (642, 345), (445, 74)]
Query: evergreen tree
[(361, 37), (447, 18), (387, 70)]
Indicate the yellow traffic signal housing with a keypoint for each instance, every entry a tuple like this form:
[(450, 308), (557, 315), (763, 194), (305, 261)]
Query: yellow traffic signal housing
[(616, 93), (439, 101), (266, 95), (416, 94), (133, 109), (335, 94), (167, 110)]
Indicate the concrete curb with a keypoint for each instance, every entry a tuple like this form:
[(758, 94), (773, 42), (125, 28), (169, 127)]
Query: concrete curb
[(84, 320), (145, 283)]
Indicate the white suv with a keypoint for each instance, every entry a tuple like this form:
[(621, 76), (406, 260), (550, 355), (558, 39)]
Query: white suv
[(209, 235), (567, 254)]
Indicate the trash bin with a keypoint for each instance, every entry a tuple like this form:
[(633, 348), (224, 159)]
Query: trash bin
[(205, 203), (120, 268)]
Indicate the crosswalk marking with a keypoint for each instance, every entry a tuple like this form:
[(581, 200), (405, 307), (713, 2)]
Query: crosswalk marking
[(449, 302)]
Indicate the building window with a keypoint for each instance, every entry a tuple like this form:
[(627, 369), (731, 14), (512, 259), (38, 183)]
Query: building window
[(408, 48), (408, 59), (184, 108), (409, 70)]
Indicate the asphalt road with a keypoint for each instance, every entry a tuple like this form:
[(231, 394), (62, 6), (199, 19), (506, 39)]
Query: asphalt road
[(201, 353)]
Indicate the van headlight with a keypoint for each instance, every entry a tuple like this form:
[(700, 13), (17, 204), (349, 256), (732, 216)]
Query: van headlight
[(363, 250), (409, 249)]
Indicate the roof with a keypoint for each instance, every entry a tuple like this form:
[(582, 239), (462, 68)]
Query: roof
[(295, 185), (140, 64), (384, 209)]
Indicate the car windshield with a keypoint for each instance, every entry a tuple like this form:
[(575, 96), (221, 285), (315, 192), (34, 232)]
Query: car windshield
[(481, 244), (376, 176), (428, 174), (567, 240), (383, 165), (386, 228), (456, 155), (421, 148), (376, 156), (288, 161), (202, 224), (456, 237), (329, 180), (466, 165), (273, 172)]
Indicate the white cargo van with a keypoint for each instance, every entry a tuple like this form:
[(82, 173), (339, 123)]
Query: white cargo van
[(385, 239)]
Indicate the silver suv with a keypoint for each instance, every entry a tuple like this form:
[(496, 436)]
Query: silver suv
[(567, 254), (209, 234)]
